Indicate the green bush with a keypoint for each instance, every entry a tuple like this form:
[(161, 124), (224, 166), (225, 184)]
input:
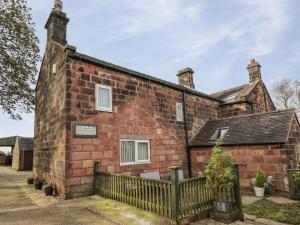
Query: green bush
[(260, 179), (219, 173), (296, 177)]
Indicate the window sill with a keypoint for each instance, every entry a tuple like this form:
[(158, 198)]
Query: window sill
[(134, 163), (104, 110)]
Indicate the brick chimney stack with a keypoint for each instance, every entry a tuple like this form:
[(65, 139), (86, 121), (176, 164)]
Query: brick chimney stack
[(185, 77), (57, 24), (254, 71)]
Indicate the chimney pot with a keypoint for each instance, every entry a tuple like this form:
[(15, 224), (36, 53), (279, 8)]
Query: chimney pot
[(185, 77), (254, 71)]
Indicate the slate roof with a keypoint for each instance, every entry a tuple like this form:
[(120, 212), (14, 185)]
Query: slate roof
[(89, 59), (262, 128), (235, 94)]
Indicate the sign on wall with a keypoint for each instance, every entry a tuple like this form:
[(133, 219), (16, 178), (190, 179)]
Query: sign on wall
[(85, 131)]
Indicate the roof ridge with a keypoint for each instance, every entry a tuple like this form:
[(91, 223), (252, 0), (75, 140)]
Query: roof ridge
[(94, 60), (229, 89), (255, 114)]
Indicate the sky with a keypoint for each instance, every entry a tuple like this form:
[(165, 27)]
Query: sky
[(160, 37)]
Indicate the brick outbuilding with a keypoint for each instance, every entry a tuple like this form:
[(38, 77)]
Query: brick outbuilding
[(90, 110), (267, 140)]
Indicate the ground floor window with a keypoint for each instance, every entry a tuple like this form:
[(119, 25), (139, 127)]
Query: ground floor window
[(134, 152)]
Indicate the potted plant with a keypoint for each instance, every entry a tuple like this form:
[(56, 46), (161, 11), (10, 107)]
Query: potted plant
[(39, 183), (30, 180), (48, 189), (220, 177), (269, 185), (260, 182), (294, 183)]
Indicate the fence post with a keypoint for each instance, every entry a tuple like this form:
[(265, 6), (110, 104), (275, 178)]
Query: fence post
[(174, 193), (237, 191), (96, 169)]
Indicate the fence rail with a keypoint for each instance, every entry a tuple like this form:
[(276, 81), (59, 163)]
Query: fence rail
[(194, 197), (147, 194), (172, 199)]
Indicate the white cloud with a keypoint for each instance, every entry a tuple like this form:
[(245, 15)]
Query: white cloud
[(252, 30)]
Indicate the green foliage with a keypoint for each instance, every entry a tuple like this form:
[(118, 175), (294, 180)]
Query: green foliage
[(19, 55), (30, 178), (296, 177), (260, 179), (288, 213), (219, 173)]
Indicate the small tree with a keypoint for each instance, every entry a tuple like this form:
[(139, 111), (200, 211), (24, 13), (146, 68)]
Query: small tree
[(260, 179), (219, 173), (286, 94), (19, 55)]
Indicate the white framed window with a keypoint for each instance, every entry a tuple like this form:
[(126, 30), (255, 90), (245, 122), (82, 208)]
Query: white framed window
[(134, 152), (220, 133), (103, 98), (179, 112)]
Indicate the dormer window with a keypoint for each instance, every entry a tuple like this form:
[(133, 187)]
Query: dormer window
[(219, 134)]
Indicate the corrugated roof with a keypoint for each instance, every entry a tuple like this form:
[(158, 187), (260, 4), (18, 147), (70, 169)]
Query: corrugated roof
[(8, 141), (262, 128)]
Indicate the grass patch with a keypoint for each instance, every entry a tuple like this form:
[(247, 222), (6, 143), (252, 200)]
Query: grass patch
[(284, 213), (128, 215)]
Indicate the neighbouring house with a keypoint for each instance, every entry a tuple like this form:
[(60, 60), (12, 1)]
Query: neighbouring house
[(2, 158), (90, 110), (22, 152)]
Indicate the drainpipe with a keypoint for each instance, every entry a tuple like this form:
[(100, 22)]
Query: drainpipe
[(187, 149)]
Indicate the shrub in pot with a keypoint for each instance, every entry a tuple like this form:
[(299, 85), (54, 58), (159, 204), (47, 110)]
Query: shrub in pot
[(48, 190), (30, 180), (260, 182), (220, 177), (294, 183), (39, 184)]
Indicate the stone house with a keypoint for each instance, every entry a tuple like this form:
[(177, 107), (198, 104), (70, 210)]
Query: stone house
[(90, 110), (22, 154)]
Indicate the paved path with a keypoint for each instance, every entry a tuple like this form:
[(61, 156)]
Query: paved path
[(18, 208), (20, 204)]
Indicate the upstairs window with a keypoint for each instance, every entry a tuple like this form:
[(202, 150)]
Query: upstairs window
[(219, 134), (103, 98), (179, 112), (134, 152)]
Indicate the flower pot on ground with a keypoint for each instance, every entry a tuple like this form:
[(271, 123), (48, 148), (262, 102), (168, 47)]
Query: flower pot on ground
[(30, 180), (48, 190), (260, 182), (39, 184), (220, 178)]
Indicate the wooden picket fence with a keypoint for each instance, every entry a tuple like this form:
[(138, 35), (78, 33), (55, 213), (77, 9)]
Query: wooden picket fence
[(172, 199)]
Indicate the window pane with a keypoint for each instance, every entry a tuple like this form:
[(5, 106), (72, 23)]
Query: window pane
[(127, 151), (179, 111), (223, 133), (143, 151), (104, 97)]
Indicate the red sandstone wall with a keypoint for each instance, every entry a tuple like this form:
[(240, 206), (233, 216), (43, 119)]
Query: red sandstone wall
[(261, 102), (293, 141), (271, 158), (49, 130), (141, 110)]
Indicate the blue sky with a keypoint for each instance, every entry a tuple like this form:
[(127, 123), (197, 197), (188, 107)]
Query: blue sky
[(159, 37)]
